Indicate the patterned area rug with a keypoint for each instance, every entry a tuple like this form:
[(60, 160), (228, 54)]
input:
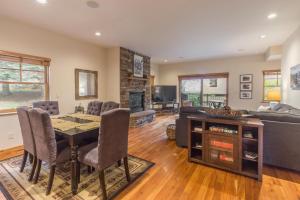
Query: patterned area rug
[(15, 185)]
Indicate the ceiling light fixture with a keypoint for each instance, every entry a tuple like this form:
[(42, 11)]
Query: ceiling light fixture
[(92, 4), (42, 1), (98, 34), (272, 16), (263, 36), (165, 60)]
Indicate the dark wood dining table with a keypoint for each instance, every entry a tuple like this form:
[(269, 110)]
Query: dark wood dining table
[(77, 127)]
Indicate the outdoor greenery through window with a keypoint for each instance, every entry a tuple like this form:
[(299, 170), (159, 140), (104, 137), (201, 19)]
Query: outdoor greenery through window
[(272, 85), (23, 79)]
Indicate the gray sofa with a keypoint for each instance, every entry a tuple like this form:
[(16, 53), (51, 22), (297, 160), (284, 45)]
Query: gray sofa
[(281, 136)]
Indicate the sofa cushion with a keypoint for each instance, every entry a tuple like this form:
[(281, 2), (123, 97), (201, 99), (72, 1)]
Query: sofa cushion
[(282, 107), (277, 116)]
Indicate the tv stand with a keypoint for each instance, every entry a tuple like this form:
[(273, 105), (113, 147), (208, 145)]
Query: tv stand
[(165, 107)]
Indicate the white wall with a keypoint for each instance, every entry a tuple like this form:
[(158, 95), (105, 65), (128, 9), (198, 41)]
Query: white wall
[(113, 74), (154, 71), (290, 58), (168, 75), (66, 54)]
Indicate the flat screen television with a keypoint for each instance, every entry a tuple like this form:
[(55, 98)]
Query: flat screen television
[(164, 93)]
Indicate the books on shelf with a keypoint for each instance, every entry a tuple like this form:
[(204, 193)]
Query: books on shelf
[(198, 129), (197, 145), (250, 155), (248, 134)]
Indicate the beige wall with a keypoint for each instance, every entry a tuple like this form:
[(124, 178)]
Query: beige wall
[(168, 75), (66, 55), (290, 58), (113, 74), (155, 72)]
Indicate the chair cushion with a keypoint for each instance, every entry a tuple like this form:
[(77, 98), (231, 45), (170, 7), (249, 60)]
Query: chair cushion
[(88, 154), (94, 108), (109, 105), (50, 106)]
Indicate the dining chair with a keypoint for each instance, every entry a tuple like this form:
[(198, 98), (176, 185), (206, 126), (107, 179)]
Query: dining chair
[(47, 149), (28, 140), (109, 105), (50, 106), (94, 108), (112, 145)]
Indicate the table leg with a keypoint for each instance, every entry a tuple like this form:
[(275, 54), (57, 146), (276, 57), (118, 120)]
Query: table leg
[(74, 181)]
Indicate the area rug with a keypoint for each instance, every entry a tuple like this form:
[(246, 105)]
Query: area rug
[(16, 186)]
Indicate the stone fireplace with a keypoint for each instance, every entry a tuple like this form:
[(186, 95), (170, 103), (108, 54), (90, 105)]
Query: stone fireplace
[(136, 101)]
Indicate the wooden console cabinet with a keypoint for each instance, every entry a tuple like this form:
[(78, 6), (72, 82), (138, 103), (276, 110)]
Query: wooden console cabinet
[(233, 145)]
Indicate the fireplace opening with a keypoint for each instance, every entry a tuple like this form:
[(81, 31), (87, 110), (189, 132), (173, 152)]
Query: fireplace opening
[(136, 101)]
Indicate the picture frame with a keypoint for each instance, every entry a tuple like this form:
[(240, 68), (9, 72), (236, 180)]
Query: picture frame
[(246, 87), (245, 94), (295, 78), (138, 66), (213, 82), (246, 78)]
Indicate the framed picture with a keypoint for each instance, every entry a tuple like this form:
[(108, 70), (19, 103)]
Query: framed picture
[(246, 86), (213, 82), (246, 78), (295, 77), (246, 95), (138, 66)]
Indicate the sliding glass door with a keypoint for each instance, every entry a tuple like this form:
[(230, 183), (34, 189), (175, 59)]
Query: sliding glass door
[(207, 90)]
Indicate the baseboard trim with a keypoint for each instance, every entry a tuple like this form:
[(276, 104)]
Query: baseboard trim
[(11, 152)]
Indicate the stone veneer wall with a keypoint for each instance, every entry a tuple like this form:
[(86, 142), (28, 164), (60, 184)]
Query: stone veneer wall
[(126, 71)]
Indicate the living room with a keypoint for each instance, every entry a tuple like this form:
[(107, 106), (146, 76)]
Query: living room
[(192, 99)]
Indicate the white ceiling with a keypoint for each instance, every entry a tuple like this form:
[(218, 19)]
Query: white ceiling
[(176, 30)]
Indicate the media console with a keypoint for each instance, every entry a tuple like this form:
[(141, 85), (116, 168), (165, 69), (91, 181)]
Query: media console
[(233, 145)]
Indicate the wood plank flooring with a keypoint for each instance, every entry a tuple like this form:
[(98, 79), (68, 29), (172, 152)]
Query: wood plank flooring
[(173, 177)]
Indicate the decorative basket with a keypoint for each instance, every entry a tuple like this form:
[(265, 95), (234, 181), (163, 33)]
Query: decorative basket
[(171, 131), (224, 113)]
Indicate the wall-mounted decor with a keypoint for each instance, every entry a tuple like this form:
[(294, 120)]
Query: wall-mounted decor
[(138, 66), (213, 82), (295, 77), (86, 84), (246, 78), (246, 94), (246, 86)]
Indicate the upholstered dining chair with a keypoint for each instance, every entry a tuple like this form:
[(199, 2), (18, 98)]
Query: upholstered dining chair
[(47, 149), (109, 105), (94, 108), (112, 145), (28, 139), (50, 106)]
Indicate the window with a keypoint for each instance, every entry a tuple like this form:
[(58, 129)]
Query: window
[(272, 85), (23, 79), (208, 90)]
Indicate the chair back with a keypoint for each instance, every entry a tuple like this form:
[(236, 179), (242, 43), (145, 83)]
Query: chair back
[(26, 130), (94, 108), (113, 137), (109, 105), (50, 106), (44, 135)]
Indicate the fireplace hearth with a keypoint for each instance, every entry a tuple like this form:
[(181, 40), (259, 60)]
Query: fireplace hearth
[(136, 101)]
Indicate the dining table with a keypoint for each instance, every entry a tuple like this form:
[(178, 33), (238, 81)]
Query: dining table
[(74, 127)]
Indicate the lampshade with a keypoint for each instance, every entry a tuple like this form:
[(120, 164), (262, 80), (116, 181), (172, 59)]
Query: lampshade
[(274, 95)]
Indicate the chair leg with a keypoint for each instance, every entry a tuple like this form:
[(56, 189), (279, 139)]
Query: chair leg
[(33, 168), (37, 173), (119, 163), (102, 184), (78, 171), (127, 169), (51, 178), (24, 161)]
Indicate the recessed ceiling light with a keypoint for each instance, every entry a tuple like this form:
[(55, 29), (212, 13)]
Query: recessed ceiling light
[(263, 36), (165, 60), (241, 50), (272, 16), (98, 34), (42, 1)]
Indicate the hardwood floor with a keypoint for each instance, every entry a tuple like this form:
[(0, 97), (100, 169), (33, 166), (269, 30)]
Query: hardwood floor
[(173, 177)]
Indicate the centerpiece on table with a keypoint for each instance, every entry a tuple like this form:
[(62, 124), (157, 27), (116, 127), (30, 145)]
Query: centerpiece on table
[(225, 113)]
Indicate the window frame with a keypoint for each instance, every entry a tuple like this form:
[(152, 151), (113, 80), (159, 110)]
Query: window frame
[(265, 72), (26, 59)]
